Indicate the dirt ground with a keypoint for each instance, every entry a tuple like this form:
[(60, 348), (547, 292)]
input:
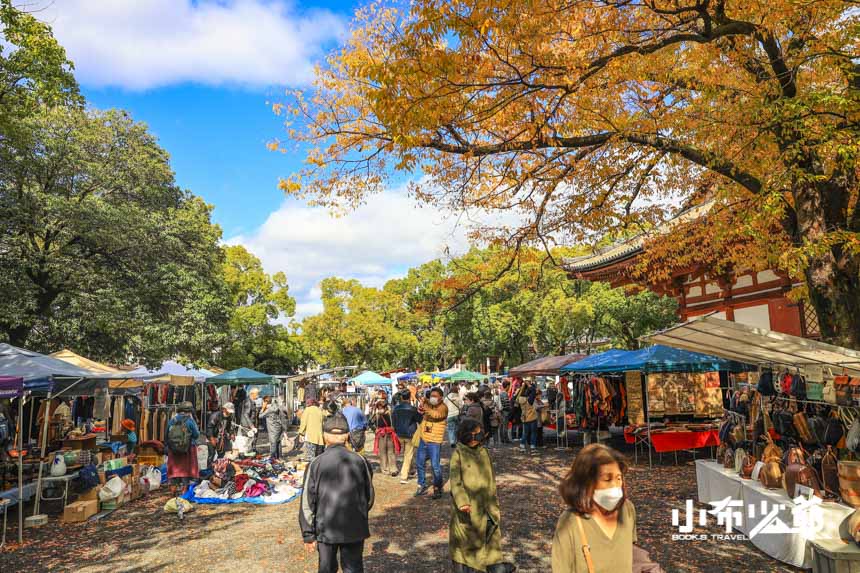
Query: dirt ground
[(408, 534)]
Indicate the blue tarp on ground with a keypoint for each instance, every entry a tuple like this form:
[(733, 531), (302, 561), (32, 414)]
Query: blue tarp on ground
[(657, 358), (261, 500)]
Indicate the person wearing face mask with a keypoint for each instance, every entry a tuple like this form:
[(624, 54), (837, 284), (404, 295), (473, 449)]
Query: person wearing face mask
[(432, 434), (596, 532), (474, 535), (385, 444)]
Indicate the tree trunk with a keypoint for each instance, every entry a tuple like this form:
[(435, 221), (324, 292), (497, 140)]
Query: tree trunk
[(833, 280), (833, 275)]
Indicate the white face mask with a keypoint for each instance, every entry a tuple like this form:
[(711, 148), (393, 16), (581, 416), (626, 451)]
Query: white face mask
[(608, 498), (434, 400)]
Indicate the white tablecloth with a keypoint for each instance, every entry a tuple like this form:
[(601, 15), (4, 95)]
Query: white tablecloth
[(715, 483)]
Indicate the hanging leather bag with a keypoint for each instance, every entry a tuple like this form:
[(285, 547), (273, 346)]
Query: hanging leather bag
[(830, 472), (833, 430), (783, 422), (798, 386), (801, 426), (765, 384), (843, 390)]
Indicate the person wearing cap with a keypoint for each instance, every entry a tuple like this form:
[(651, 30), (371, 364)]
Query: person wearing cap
[(337, 496), (311, 430), (182, 467), (130, 434), (222, 429)]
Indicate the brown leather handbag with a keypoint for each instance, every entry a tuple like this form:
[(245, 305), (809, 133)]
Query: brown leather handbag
[(801, 474), (801, 424), (747, 466), (770, 475), (849, 482), (830, 472), (772, 452), (795, 455), (729, 459)]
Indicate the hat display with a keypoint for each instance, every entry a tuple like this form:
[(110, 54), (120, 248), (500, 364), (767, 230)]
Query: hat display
[(229, 407), (336, 424)]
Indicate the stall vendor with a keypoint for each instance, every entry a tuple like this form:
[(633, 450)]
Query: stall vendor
[(130, 434)]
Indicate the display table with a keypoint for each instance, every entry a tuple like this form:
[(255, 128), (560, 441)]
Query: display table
[(715, 483), (677, 441), (63, 484)]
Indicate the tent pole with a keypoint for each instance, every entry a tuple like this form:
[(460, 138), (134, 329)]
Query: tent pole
[(30, 424), (43, 448), (21, 469), (647, 419)]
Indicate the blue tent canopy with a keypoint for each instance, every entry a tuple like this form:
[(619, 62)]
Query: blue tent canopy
[(657, 358), (407, 376), (368, 378), (595, 362), (42, 373)]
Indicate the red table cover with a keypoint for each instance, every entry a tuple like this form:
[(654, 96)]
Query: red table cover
[(674, 441)]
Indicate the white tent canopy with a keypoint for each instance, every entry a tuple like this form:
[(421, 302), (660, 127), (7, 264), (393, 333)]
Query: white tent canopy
[(758, 346)]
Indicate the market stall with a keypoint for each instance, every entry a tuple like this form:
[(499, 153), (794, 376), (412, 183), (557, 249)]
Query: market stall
[(804, 399), (78, 453), (660, 381)]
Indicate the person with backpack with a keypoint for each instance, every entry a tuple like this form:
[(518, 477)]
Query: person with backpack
[(491, 420), (182, 434)]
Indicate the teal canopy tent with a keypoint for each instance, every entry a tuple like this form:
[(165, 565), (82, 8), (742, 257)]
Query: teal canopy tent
[(368, 378), (466, 376), (240, 377)]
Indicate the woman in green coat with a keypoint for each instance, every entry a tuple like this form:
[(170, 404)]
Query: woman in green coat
[(474, 537)]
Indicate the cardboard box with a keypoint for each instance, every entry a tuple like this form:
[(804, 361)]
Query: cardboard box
[(90, 494), (80, 511), (114, 503)]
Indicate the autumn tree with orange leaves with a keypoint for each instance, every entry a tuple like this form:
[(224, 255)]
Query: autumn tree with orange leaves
[(590, 116)]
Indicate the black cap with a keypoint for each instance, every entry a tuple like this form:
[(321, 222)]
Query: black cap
[(336, 424)]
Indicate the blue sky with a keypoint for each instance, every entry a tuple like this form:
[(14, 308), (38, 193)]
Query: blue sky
[(200, 74)]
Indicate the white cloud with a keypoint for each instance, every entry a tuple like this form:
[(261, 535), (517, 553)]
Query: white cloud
[(142, 44), (375, 243)]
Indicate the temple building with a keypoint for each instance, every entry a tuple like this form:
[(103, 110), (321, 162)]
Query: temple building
[(755, 298)]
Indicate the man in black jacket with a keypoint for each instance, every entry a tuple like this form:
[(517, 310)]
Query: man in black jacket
[(405, 419), (336, 499)]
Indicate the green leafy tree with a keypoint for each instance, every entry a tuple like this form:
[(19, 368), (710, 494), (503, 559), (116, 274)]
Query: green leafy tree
[(623, 317), (254, 338), (562, 323), (100, 250), (34, 70)]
